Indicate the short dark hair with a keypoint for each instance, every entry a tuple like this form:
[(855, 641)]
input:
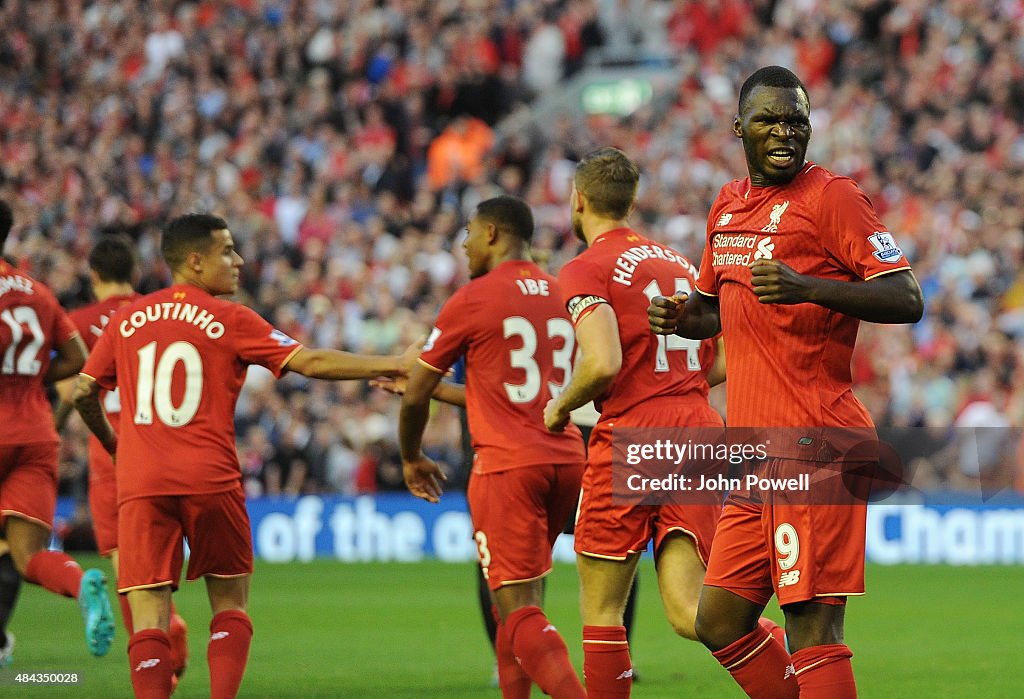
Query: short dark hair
[(6, 222), (508, 214), (771, 76), (187, 234), (608, 178), (112, 258)]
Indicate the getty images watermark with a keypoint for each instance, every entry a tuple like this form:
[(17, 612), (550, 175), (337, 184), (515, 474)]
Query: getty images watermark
[(666, 451), (826, 466)]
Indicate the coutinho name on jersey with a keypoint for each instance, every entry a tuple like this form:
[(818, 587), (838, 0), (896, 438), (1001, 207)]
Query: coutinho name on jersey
[(627, 262), (169, 310)]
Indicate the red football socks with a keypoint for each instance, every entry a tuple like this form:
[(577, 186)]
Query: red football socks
[(825, 672), (777, 632), (56, 571), (760, 665), (542, 653), (513, 680), (607, 667), (149, 658), (178, 633), (228, 652)]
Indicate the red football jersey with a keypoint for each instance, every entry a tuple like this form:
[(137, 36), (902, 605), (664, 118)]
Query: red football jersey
[(32, 325), (627, 270), (179, 357), (518, 344), (91, 321), (789, 365)]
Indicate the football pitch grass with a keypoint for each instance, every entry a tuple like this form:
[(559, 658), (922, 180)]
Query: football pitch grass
[(329, 629)]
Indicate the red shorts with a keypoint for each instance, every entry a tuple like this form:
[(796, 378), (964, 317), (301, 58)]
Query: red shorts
[(102, 496), (797, 550), (150, 531), (517, 515), (28, 481), (103, 508), (607, 530)]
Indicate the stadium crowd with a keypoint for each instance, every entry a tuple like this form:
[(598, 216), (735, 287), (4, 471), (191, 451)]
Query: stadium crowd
[(346, 143)]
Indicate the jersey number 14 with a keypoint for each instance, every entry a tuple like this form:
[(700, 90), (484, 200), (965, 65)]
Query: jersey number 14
[(674, 342)]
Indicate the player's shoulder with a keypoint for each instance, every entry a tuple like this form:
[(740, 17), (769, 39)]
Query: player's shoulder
[(732, 190), (18, 287), (92, 311), (819, 177), (589, 259), (14, 279), (474, 288), (84, 316), (583, 269)]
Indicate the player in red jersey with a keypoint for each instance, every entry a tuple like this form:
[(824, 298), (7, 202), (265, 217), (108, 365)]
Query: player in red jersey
[(795, 258), (179, 358), (112, 271), (636, 380), (509, 323), (32, 327)]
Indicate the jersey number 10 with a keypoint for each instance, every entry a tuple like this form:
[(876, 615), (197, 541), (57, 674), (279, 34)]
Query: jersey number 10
[(154, 387)]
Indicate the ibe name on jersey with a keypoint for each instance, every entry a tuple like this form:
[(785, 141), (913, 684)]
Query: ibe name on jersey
[(170, 310), (533, 287)]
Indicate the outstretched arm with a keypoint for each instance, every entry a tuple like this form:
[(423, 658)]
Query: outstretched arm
[(337, 365), (597, 366), (421, 473), (446, 392), (889, 298), (695, 316), (86, 398)]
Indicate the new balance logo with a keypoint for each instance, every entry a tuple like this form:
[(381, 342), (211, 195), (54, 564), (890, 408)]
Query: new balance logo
[(790, 577), (147, 664), (549, 627), (790, 671), (219, 635), (724, 219), (626, 675)]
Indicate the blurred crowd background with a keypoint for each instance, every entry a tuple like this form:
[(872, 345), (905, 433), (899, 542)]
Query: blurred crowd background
[(346, 141)]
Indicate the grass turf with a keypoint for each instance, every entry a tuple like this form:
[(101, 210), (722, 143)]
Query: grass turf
[(327, 629)]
